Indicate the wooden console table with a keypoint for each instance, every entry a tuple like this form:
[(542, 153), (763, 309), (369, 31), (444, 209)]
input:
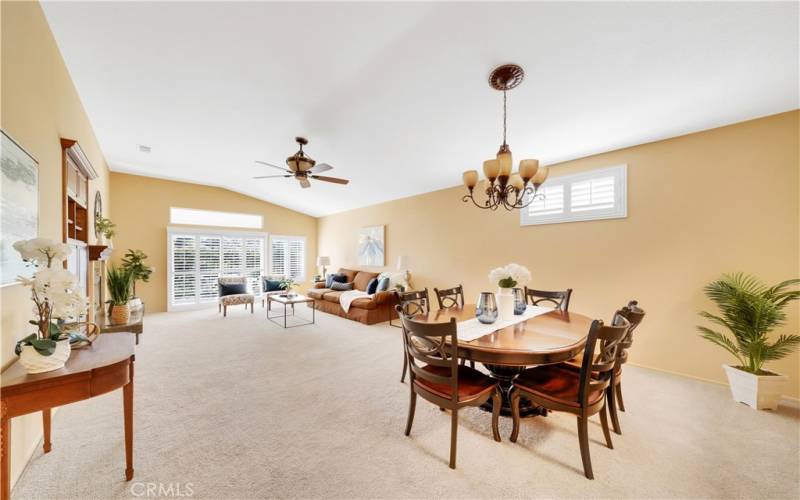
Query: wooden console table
[(104, 366)]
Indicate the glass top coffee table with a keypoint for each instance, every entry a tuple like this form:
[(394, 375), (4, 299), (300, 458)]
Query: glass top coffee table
[(287, 302)]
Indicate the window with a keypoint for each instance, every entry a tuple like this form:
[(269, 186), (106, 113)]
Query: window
[(195, 217), (596, 194), (288, 256), (196, 259)]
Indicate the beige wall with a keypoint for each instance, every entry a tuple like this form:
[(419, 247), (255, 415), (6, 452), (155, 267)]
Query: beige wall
[(39, 105), (141, 211), (699, 205)]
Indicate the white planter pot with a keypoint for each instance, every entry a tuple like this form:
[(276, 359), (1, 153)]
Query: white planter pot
[(505, 303), (36, 363), (761, 392)]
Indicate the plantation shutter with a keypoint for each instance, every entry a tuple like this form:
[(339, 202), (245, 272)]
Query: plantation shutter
[(552, 201), (288, 257), (592, 194), (184, 267), (197, 260)]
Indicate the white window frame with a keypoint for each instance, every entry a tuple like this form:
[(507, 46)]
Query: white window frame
[(302, 277), (245, 221), (618, 211), (197, 232)]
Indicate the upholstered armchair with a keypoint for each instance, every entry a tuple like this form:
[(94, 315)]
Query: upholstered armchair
[(233, 291)]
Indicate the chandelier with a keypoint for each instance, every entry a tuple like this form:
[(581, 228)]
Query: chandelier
[(502, 187)]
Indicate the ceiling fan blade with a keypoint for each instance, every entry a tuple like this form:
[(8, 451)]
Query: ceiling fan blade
[(319, 167), (273, 166), (335, 180), (271, 176), (304, 183)]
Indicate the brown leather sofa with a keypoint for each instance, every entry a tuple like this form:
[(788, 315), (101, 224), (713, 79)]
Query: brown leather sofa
[(367, 310)]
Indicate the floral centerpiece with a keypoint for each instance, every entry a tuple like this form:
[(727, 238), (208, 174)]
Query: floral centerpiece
[(508, 277), (287, 284), (56, 298)]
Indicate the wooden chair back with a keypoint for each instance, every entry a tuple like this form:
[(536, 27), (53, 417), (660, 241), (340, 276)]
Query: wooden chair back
[(413, 303), (450, 297), (434, 344), (543, 297), (634, 314), (596, 369)]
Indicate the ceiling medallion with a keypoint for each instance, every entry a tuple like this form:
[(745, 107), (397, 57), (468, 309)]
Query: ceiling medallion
[(504, 188)]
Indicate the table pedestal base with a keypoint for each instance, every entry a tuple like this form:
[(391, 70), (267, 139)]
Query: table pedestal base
[(505, 375)]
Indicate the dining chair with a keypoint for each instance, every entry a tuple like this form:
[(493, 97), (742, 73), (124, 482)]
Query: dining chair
[(450, 297), (412, 303), (634, 314), (434, 374), (559, 299), (560, 388)]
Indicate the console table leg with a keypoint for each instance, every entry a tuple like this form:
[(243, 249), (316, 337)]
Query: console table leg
[(127, 401), (46, 445), (5, 464)]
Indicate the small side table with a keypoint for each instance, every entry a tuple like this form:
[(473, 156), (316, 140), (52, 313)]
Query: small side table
[(134, 325), (290, 301), (104, 366)]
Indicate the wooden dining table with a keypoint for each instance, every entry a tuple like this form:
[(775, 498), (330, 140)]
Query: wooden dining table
[(550, 338)]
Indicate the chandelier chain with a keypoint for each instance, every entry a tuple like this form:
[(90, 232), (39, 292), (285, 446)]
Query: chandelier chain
[(504, 118)]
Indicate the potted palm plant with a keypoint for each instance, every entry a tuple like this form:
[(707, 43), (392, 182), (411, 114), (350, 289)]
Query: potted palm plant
[(134, 262), (119, 281), (750, 310)]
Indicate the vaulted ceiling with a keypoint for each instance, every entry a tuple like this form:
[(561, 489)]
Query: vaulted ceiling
[(395, 96)]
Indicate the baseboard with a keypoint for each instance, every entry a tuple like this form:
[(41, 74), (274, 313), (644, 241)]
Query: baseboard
[(785, 400)]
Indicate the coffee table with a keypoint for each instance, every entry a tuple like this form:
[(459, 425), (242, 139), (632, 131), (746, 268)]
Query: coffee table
[(290, 301)]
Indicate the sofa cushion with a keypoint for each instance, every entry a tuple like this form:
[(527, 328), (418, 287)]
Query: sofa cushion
[(341, 287), (317, 293), (232, 289), (362, 279), (332, 296), (350, 274), (372, 286), (364, 303)]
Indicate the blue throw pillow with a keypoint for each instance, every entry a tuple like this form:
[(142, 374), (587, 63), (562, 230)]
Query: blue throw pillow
[(372, 286), (232, 289), (273, 285), (341, 287), (383, 285), (328, 280)]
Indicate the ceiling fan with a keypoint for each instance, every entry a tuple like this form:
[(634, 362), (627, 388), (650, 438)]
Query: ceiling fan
[(302, 167)]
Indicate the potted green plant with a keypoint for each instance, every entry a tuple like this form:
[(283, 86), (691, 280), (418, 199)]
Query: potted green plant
[(750, 310), (119, 281), (287, 284), (105, 227), (134, 262)]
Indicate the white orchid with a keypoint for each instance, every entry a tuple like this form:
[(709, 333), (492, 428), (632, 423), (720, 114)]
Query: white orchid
[(54, 291), (510, 275), (42, 251)]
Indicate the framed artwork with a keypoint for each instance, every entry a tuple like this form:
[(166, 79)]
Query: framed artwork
[(19, 207), (371, 248)]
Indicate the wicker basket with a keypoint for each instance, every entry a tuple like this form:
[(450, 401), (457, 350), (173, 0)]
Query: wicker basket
[(120, 314)]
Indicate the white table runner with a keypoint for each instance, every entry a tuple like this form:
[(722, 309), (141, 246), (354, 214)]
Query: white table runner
[(472, 329)]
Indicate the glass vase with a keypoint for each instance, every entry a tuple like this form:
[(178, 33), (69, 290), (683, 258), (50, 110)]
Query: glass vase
[(519, 301), (486, 310)]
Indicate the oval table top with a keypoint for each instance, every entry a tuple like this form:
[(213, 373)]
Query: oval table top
[(550, 338)]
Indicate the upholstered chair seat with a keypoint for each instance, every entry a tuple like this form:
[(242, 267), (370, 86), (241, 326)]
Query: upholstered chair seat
[(471, 383), (232, 292)]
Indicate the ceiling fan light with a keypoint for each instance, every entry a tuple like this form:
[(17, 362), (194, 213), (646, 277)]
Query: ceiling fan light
[(528, 169), (491, 168), (304, 164)]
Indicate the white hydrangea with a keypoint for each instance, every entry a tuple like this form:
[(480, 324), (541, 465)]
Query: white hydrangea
[(511, 275)]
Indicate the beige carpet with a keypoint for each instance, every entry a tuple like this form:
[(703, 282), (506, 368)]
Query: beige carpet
[(240, 408)]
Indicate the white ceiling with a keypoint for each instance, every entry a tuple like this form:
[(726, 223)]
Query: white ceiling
[(395, 96)]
